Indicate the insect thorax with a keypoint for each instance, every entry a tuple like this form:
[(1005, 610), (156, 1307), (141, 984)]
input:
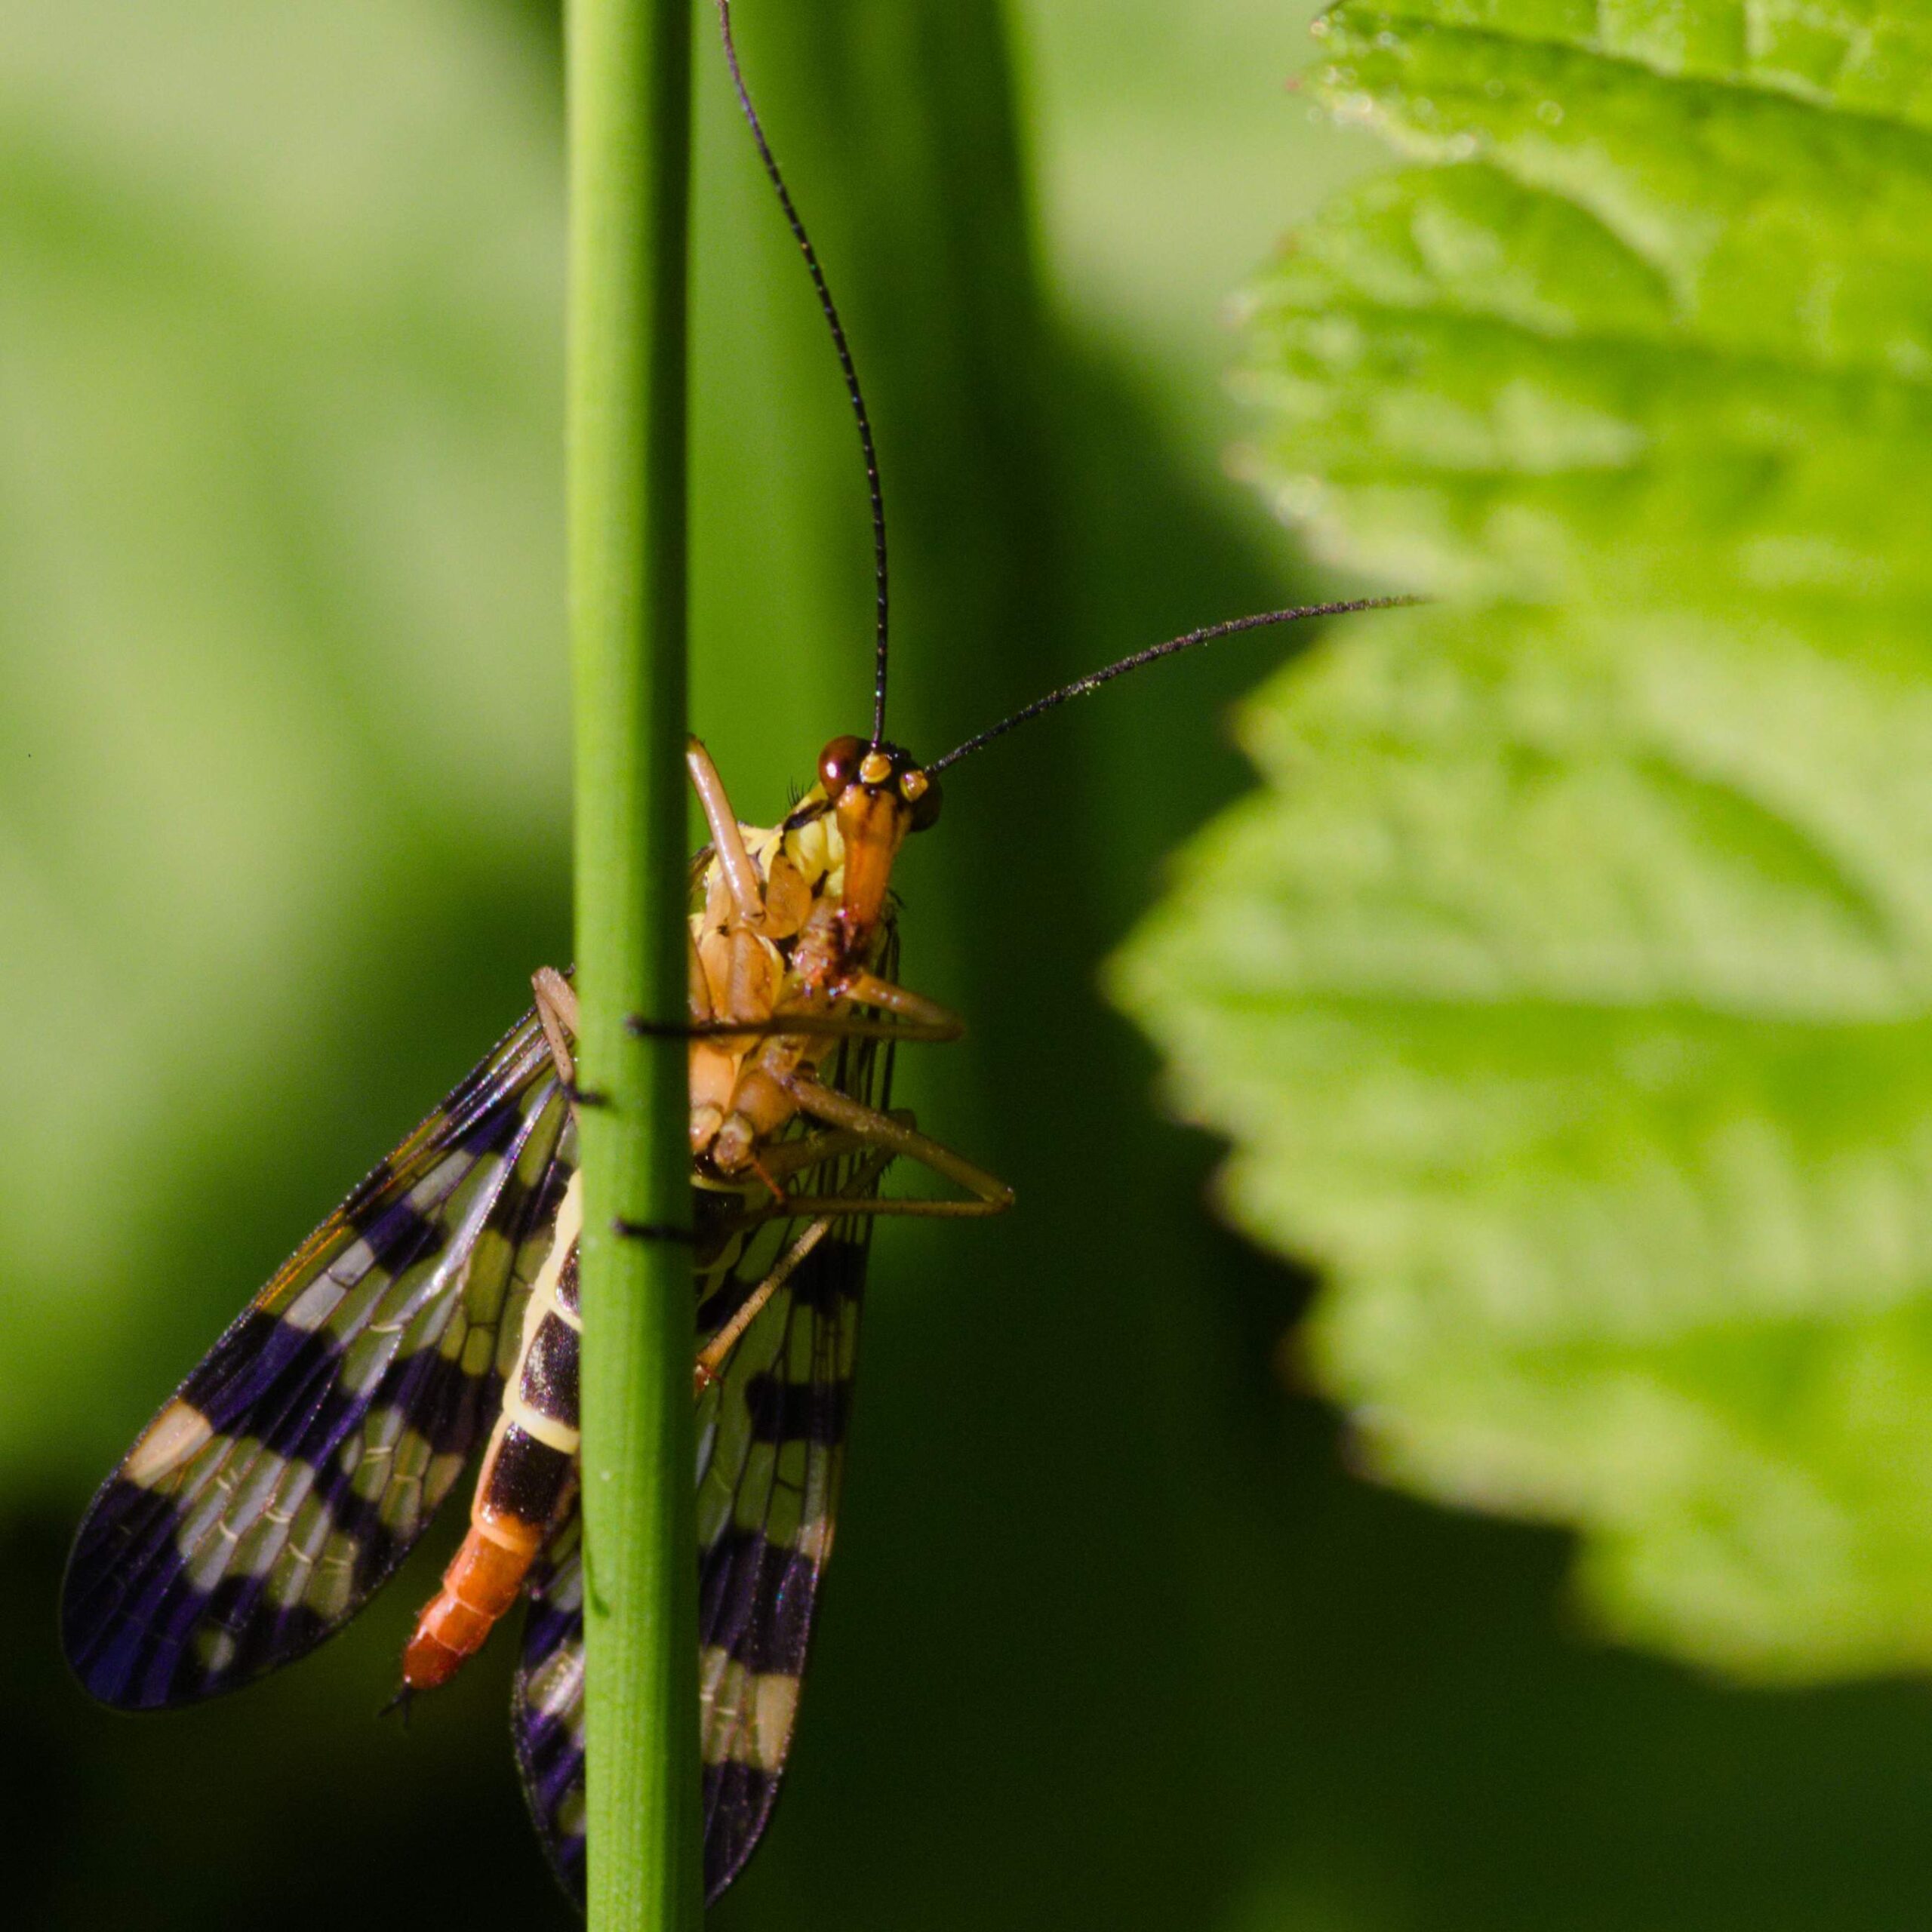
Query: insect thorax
[(752, 969)]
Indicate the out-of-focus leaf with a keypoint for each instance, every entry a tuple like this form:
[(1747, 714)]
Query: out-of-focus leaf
[(1566, 991), (280, 588)]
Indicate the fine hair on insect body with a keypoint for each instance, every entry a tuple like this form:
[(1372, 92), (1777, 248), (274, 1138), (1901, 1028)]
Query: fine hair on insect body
[(431, 1322)]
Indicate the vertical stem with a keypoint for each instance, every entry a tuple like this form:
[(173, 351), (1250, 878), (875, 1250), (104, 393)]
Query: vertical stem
[(629, 75)]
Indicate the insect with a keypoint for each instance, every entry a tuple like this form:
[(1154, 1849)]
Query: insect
[(432, 1320)]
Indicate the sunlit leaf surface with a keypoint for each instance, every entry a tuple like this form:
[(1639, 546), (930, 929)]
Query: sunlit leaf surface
[(1566, 991)]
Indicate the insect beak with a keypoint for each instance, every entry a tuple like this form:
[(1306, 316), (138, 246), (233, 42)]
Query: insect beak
[(872, 824)]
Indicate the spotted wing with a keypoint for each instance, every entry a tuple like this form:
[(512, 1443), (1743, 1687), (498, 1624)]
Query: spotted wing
[(295, 1467), (546, 1711), (771, 1451), (771, 1435)]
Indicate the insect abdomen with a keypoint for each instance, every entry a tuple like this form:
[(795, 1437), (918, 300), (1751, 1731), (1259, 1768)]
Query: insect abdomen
[(526, 1473)]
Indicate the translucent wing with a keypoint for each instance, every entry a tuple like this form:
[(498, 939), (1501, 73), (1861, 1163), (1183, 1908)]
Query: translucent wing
[(294, 1467), (771, 1451), (547, 1709), (772, 1438)]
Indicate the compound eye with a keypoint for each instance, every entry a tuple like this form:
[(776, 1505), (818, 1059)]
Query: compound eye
[(838, 764), (923, 795)]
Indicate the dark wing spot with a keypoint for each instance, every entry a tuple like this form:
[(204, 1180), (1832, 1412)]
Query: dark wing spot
[(755, 1602), (738, 1800), (785, 1411)]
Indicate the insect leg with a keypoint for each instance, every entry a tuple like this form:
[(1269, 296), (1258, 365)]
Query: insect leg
[(895, 1134), (921, 1018), (712, 1357), (795, 1157), (727, 841), (557, 1014), (805, 1026)]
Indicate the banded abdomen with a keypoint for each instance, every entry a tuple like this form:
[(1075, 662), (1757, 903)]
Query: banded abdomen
[(528, 1472), (761, 919)]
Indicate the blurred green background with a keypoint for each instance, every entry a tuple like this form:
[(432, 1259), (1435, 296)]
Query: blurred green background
[(1114, 1638)]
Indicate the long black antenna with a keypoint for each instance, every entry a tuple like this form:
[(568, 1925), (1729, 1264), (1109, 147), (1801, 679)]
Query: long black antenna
[(1094, 680), (844, 353)]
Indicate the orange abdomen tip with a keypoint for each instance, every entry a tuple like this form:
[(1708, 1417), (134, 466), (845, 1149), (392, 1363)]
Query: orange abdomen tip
[(481, 1583)]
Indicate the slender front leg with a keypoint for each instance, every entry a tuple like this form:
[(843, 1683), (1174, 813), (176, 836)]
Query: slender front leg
[(925, 1019), (787, 1158), (556, 1014), (891, 1133), (727, 841)]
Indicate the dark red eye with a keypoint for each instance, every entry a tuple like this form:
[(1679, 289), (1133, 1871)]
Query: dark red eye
[(838, 764)]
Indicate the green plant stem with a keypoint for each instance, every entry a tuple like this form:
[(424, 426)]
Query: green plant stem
[(629, 173)]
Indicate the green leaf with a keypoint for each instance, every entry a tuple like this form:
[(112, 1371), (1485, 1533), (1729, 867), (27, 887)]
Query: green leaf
[(1566, 992)]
